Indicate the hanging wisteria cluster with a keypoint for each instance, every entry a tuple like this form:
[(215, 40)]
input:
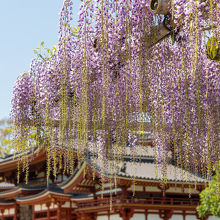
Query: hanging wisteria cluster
[(129, 59)]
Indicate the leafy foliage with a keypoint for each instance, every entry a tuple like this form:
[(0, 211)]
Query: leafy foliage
[(75, 31), (5, 137), (44, 52), (210, 198)]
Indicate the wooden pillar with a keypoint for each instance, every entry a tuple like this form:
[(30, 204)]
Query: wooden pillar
[(124, 193), (59, 211), (48, 210), (69, 212), (16, 212), (2, 212), (184, 215), (33, 213), (94, 194), (146, 214)]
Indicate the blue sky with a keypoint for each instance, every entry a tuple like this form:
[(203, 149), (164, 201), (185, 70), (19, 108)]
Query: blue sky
[(24, 24)]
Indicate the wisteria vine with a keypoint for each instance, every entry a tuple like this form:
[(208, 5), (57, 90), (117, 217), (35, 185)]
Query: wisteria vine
[(126, 61)]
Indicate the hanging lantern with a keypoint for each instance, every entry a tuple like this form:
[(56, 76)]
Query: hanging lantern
[(213, 49), (159, 6)]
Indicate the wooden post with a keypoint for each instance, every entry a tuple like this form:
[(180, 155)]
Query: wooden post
[(48, 210), (59, 211), (2, 212), (146, 214), (94, 194), (16, 212), (33, 213), (124, 194), (70, 212), (184, 215)]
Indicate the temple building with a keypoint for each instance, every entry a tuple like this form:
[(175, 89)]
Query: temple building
[(135, 190)]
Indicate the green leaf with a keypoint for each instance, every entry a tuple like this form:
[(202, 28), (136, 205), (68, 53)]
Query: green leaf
[(210, 197)]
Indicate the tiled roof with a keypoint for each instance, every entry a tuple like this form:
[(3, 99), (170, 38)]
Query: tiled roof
[(137, 163), (145, 170), (71, 176), (4, 185), (10, 157), (49, 189), (81, 195), (3, 201), (22, 187), (151, 171), (6, 157)]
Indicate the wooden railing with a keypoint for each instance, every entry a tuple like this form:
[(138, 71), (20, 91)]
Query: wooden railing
[(147, 201)]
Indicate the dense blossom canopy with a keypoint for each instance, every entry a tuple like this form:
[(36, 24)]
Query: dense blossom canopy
[(114, 70)]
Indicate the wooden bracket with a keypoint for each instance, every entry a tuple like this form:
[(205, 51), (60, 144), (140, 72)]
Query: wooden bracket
[(166, 214), (126, 213)]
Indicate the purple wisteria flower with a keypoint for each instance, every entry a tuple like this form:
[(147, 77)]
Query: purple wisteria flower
[(114, 68)]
